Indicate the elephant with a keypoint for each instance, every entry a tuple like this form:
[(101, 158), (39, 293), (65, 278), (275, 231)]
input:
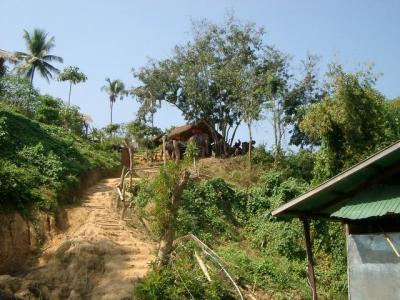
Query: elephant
[(245, 146), (236, 149), (169, 147), (201, 140)]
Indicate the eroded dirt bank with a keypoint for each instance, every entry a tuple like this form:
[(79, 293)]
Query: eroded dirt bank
[(97, 257)]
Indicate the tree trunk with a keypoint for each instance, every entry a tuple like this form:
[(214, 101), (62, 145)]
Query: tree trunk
[(277, 132), (33, 73), (69, 96), (223, 148), (169, 234), (214, 136), (233, 134), (250, 143), (152, 114), (111, 111)]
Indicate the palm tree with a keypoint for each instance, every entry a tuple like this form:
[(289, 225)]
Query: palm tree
[(114, 89), (37, 57), (74, 76)]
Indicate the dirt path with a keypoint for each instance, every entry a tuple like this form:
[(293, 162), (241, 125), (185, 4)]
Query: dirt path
[(98, 257)]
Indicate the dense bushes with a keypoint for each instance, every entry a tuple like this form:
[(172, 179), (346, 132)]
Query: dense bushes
[(39, 161), (255, 247), (19, 94), (209, 208)]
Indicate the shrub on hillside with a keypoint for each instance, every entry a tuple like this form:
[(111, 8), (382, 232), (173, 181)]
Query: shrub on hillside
[(261, 156), (48, 110), (19, 93), (42, 161), (210, 207)]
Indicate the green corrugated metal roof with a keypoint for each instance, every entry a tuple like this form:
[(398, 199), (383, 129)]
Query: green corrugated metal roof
[(374, 202), (338, 191)]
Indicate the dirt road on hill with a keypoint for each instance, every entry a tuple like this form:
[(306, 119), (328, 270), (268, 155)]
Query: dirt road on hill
[(98, 257)]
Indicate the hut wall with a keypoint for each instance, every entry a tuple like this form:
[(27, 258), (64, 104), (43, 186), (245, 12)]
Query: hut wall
[(374, 268)]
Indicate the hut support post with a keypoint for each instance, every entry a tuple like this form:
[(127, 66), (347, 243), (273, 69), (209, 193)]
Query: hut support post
[(119, 187), (310, 263), (131, 161), (164, 140)]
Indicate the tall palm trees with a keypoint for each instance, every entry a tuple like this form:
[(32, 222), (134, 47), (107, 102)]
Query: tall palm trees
[(74, 76), (114, 89), (37, 57)]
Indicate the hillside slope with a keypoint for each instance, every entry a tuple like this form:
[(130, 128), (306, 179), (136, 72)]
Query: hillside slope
[(40, 163)]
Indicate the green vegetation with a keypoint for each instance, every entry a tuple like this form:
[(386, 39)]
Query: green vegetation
[(336, 125), (225, 76), (258, 250), (40, 163), (43, 151)]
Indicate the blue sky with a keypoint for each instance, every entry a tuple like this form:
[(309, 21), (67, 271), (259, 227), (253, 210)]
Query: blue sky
[(109, 38)]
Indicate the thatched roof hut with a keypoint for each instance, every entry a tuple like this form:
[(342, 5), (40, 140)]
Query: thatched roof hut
[(5, 55), (183, 133)]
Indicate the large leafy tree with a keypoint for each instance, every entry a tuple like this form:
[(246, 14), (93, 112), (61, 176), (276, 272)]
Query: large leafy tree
[(246, 73), (37, 57), (304, 93), (74, 76), (274, 86), (142, 133), (197, 79), (115, 89), (349, 122)]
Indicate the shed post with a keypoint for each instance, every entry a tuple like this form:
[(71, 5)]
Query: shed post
[(164, 139), (310, 263)]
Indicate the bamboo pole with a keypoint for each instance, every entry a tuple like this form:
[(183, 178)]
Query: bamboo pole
[(202, 265)]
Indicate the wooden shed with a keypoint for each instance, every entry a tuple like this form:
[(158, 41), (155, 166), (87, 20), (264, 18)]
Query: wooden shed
[(366, 198)]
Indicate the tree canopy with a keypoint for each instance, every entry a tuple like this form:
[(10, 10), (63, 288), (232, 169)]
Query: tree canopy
[(349, 121), (37, 57), (115, 89), (198, 79), (74, 76)]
